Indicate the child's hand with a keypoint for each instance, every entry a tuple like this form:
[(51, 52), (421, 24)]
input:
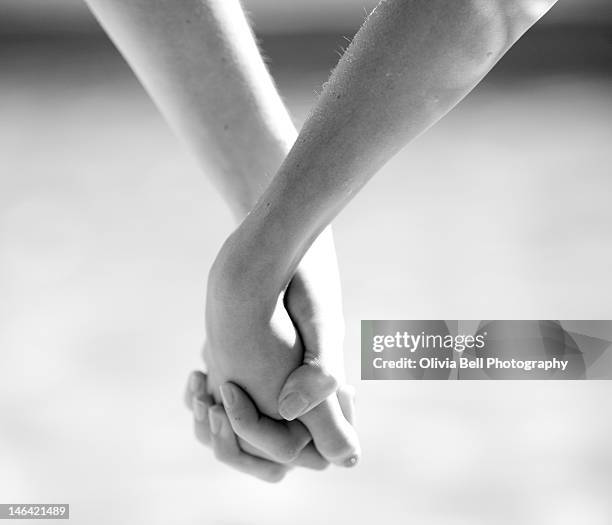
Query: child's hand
[(252, 342), (242, 415), (314, 302)]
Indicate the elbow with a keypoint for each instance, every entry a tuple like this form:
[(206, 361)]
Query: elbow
[(473, 37), (486, 29), (530, 11), (522, 14)]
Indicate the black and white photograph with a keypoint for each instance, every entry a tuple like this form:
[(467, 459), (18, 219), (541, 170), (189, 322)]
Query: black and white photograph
[(270, 262)]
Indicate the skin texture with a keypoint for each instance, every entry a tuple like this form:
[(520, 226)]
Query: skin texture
[(199, 62), (258, 353), (410, 63), (249, 424)]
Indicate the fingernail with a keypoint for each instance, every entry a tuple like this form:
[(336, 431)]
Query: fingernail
[(200, 410), (352, 461), (214, 420), (292, 406), (194, 382), (227, 394)]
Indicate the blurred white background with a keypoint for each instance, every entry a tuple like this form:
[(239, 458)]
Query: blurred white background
[(107, 230), (277, 16)]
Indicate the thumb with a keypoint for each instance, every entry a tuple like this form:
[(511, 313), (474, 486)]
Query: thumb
[(305, 388)]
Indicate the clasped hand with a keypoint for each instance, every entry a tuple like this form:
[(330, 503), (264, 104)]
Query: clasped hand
[(274, 395)]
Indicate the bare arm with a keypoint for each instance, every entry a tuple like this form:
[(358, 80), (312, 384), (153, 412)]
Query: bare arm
[(199, 62), (410, 63)]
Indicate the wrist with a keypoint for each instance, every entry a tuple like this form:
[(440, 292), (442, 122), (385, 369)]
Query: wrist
[(239, 278), (318, 270), (314, 295), (254, 266)]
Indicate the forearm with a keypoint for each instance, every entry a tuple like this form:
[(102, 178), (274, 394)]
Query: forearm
[(199, 62), (411, 62)]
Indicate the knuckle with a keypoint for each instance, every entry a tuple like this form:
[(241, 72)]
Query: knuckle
[(324, 373)]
